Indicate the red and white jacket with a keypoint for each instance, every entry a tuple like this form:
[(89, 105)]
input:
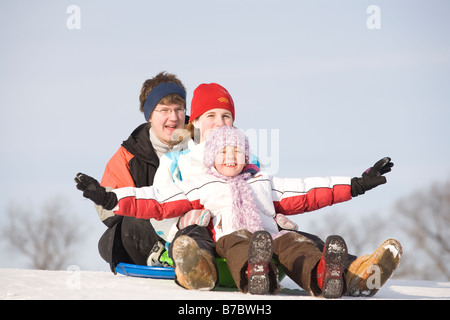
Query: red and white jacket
[(272, 195)]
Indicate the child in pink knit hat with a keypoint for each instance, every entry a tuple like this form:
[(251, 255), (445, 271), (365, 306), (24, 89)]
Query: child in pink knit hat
[(242, 229)]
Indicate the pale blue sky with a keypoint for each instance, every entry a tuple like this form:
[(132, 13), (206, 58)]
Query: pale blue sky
[(340, 95)]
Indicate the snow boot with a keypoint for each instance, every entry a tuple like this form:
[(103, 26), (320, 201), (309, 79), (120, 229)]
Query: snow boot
[(260, 254), (368, 273), (194, 267), (330, 269)]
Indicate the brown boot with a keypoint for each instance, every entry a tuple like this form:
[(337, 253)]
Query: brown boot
[(194, 267), (368, 273)]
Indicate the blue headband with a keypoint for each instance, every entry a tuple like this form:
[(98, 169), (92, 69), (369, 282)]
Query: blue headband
[(159, 92)]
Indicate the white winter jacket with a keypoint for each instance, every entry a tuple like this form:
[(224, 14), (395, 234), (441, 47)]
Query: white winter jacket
[(272, 195), (175, 167)]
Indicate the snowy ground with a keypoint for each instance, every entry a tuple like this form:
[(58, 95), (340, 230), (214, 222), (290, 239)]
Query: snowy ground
[(25, 284)]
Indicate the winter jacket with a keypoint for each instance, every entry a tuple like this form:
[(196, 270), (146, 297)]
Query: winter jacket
[(133, 165), (174, 167), (272, 195)]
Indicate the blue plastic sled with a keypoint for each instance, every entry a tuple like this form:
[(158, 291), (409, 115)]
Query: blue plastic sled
[(168, 273), (135, 270)]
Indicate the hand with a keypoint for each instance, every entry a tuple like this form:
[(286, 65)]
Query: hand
[(198, 217), (95, 192), (372, 177), (381, 167), (284, 223)]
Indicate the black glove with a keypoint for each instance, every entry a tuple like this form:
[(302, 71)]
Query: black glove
[(372, 177), (94, 191)]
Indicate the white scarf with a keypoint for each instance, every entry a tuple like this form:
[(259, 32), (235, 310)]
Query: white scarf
[(162, 148)]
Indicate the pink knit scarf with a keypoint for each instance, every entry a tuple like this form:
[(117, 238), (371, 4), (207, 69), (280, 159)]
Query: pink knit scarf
[(245, 214)]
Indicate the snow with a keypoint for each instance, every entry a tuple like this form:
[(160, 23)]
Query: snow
[(73, 284), (393, 250)]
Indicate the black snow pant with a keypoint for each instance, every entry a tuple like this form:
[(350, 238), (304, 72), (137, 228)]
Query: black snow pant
[(201, 235), (130, 241)]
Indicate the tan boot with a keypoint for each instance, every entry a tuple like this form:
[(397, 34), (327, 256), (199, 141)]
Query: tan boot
[(368, 273), (194, 267)]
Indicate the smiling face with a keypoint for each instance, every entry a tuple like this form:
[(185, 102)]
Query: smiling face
[(165, 119), (230, 161), (211, 120)]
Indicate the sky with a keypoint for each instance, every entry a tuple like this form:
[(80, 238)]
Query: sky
[(321, 87)]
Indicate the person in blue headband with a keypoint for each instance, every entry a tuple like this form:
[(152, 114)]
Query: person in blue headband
[(163, 103)]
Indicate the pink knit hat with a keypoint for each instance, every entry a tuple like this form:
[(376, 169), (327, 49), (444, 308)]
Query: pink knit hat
[(244, 212), (222, 137)]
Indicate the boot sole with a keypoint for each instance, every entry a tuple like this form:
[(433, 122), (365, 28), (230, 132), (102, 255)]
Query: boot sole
[(260, 254), (336, 256), (193, 268), (386, 257)]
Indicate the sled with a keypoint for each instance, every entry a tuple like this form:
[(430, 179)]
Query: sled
[(168, 273), (134, 270)]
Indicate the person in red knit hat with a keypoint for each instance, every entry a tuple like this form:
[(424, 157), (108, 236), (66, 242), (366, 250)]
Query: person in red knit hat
[(212, 107)]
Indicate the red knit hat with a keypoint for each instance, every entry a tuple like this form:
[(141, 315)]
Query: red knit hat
[(209, 96)]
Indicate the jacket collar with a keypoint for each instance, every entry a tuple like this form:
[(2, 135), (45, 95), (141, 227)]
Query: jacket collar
[(138, 144)]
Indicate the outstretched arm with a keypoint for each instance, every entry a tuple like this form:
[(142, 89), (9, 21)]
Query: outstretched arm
[(293, 196), (152, 203), (143, 203)]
